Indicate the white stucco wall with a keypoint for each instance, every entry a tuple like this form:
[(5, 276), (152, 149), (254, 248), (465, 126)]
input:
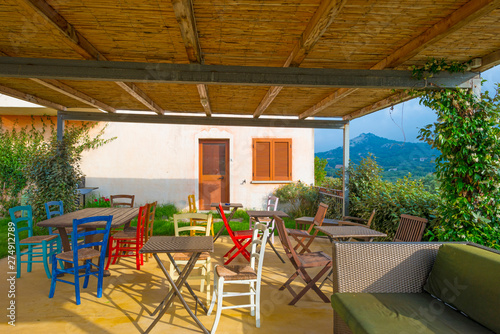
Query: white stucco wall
[(159, 162)]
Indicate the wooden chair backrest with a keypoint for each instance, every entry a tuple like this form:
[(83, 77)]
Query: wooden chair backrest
[(141, 222), (199, 217), (150, 217), (410, 229), (370, 220), (285, 240), (272, 203), (319, 217), (224, 219), (192, 204), (122, 201)]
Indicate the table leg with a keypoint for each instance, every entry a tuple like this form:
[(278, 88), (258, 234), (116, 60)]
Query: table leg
[(269, 240), (223, 225), (175, 292)]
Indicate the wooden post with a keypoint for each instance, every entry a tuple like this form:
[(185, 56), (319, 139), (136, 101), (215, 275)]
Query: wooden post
[(345, 174), (60, 126)]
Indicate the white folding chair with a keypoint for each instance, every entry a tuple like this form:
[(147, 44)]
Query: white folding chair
[(242, 274), (272, 205)]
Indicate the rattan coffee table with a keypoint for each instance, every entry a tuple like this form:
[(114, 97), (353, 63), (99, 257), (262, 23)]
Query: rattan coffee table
[(168, 244)]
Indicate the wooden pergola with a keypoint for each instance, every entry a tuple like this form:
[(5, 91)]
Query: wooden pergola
[(249, 59)]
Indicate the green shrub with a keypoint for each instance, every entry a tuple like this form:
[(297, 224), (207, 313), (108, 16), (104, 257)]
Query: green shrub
[(97, 202), (303, 199)]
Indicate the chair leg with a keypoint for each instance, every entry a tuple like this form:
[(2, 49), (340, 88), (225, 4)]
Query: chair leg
[(18, 262), (252, 298), (100, 277), (208, 277), (77, 282), (54, 275), (257, 306), (214, 296), (220, 292), (30, 258), (45, 259)]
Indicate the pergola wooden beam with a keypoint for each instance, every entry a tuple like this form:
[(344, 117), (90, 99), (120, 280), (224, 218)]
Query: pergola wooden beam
[(469, 12), (62, 88), (68, 69), (390, 101), (201, 120), (184, 14), (316, 27), (76, 41), (30, 98), (141, 96), (490, 60)]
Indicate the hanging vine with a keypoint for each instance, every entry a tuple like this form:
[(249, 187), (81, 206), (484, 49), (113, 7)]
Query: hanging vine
[(467, 134)]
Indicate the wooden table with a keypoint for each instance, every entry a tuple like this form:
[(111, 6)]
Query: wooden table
[(256, 214), (225, 206), (343, 233), (168, 245), (121, 217), (301, 221)]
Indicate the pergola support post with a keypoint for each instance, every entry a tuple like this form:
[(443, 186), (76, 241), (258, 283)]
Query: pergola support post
[(345, 173), (60, 126)]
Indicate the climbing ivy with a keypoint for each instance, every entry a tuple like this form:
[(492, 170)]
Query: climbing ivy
[(467, 134)]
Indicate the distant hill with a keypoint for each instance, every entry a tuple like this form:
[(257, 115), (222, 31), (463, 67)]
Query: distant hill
[(397, 159)]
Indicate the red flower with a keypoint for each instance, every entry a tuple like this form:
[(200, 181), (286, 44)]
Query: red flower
[(95, 200), (106, 199)]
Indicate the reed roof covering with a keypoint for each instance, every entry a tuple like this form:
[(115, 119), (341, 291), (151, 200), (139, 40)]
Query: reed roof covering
[(265, 34)]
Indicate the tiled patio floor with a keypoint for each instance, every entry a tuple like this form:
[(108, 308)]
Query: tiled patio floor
[(129, 295)]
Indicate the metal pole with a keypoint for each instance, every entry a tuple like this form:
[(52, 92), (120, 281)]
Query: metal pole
[(60, 126), (345, 173)]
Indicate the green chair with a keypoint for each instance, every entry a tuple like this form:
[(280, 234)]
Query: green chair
[(39, 246)]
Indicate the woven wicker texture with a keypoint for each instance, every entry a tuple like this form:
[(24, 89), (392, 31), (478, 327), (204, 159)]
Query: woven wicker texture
[(379, 266), (38, 239), (234, 273), (350, 231), (162, 244), (187, 256), (83, 254)]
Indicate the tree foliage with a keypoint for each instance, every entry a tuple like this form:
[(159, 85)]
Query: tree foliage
[(319, 170), (467, 134), (32, 160)]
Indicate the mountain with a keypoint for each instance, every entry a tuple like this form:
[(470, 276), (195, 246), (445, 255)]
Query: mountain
[(396, 158)]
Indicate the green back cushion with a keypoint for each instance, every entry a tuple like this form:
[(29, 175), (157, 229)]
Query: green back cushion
[(468, 278)]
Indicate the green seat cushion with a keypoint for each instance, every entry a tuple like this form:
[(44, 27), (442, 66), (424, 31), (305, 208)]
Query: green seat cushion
[(468, 278), (401, 313)]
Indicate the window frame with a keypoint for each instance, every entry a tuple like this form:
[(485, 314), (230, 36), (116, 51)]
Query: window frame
[(272, 160)]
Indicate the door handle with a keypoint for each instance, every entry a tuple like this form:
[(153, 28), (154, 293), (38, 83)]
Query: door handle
[(221, 178)]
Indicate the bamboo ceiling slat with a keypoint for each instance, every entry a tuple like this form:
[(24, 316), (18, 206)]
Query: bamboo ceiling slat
[(251, 33), (235, 99), (107, 92), (137, 31), (30, 87), (178, 98)]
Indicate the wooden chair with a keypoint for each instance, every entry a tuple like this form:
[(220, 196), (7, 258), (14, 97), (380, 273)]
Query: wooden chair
[(348, 220), (39, 246), (301, 263), (192, 221), (84, 252), (241, 240), (410, 229), (128, 243), (204, 262), (301, 236), (118, 201), (149, 224), (249, 275), (272, 205), (54, 209)]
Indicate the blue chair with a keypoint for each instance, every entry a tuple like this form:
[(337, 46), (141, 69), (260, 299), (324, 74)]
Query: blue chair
[(84, 252), (40, 246), (54, 209)]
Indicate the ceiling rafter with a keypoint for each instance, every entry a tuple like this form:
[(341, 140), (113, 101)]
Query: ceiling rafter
[(184, 14), (320, 21), (75, 40), (390, 101), (469, 12), (140, 96), (490, 60), (62, 88), (30, 98)]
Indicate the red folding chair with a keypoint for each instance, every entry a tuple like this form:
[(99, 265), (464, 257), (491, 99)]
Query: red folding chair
[(241, 240)]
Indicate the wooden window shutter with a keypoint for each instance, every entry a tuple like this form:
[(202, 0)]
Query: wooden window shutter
[(282, 160), (272, 159), (262, 159)]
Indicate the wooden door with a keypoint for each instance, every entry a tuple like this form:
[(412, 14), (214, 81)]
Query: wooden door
[(214, 172)]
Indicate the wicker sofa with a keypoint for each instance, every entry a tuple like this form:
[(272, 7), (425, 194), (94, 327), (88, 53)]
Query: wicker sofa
[(390, 287)]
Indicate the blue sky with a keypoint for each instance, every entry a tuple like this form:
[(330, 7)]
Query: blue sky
[(402, 123)]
